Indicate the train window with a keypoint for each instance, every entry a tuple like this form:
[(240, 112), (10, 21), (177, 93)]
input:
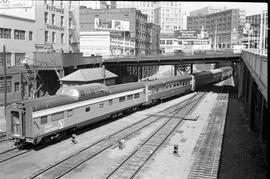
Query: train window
[(87, 109), (110, 102), (101, 105), (129, 97), (122, 99), (57, 116), (69, 113), (43, 120), (137, 95)]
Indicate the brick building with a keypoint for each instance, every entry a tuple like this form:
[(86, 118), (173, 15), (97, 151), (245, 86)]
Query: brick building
[(137, 23)]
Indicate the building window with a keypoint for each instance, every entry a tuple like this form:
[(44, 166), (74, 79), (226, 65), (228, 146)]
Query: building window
[(69, 22), (30, 35), (53, 37), (62, 38), (169, 42), (52, 2), (19, 57), (101, 105), (62, 20), (46, 36), (53, 19), (5, 33), (8, 59), (87, 109), (19, 34), (17, 86), (9, 84), (46, 17)]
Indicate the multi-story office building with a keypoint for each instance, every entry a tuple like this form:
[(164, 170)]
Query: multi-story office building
[(224, 28), (207, 10), (127, 20), (170, 16)]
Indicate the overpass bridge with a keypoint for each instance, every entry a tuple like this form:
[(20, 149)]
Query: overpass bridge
[(174, 59)]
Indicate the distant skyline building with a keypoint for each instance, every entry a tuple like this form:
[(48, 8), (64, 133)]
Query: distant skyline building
[(99, 4), (207, 10), (146, 7), (169, 15)]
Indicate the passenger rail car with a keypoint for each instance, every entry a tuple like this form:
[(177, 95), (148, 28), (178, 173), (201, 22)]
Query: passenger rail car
[(73, 107)]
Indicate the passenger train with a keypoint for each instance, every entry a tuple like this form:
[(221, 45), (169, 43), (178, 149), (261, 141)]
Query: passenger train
[(30, 121)]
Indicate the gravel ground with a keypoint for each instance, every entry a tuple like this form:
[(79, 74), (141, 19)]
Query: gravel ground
[(241, 153)]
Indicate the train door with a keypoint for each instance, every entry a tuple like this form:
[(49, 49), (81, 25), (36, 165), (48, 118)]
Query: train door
[(17, 123)]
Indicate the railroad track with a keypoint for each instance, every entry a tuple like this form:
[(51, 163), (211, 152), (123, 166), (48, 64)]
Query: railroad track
[(208, 148), (131, 165), (63, 167), (11, 153)]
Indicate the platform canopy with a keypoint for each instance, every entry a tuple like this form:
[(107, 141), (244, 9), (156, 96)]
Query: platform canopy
[(88, 75)]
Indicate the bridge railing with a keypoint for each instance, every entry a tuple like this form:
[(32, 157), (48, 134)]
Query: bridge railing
[(183, 53), (257, 51)]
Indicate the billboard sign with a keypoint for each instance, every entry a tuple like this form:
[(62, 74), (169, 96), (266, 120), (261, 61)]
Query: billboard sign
[(7, 4), (186, 34), (109, 24)]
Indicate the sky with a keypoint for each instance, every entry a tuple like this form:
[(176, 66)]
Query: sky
[(250, 7)]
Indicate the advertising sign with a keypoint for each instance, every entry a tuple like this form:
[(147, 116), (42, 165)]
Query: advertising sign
[(186, 34), (6, 4), (18, 8), (109, 24)]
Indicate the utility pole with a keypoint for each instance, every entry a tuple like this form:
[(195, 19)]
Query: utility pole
[(5, 80)]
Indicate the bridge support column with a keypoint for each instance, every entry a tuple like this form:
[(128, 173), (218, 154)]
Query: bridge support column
[(191, 68)]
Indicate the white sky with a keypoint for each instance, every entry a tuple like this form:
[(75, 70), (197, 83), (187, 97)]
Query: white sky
[(250, 7)]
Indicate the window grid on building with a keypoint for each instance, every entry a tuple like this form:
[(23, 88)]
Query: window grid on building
[(19, 34), (5, 33)]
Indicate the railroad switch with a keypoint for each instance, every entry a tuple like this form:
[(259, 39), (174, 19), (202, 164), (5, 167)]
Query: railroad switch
[(175, 149), (121, 144), (73, 139)]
